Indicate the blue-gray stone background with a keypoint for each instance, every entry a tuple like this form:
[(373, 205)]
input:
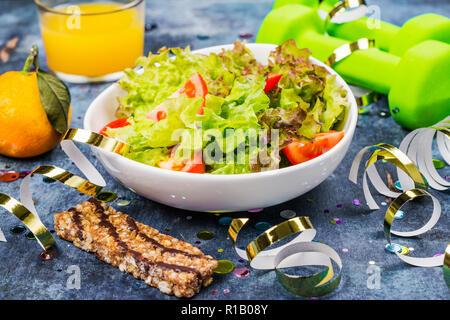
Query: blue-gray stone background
[(23, 275)]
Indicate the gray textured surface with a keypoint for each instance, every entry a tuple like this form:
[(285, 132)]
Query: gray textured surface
[(25, 276)]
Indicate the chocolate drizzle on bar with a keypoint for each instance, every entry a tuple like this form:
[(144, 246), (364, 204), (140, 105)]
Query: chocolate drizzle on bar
[(134, 227), (112, 231), (77, 222)]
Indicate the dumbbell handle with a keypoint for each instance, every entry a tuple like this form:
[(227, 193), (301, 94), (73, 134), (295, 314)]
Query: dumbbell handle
[(369, 68)]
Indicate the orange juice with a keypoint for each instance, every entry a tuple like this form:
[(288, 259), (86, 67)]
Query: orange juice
[(93, 39)]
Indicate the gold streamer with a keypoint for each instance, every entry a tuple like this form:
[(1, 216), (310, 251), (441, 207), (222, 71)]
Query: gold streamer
[(393, 155), (96, 140), (344, 51), (299, 252), (28, 214), (342, 6), (390, 154), (32, 222), (348, 48)]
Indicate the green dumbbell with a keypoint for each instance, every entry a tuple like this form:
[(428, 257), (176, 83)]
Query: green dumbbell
[(417, 84), (387, 36)]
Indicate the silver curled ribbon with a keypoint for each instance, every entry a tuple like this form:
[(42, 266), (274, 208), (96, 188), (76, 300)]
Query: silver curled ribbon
[(300, 251), (418, 146), (25, 210), (363, 96), (395, 205)]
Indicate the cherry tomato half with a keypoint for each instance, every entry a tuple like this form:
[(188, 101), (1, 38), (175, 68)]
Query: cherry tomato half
[(118, 123), (302, 151), (193, 165), (195, 86), (272, 81)]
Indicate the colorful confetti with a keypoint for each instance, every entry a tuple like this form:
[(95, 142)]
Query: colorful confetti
[(241, 272), (226, 291), (245, 35), (150, 26), (17, 229), (438, 164), (383, 203), (225, 221), (339, 205), (262, 226), (404, 250), (344, 250), (356, 202), (47, 255), (205, 235), (9, 47), (123, 202), (224, 266), (30, 236), (393, 247), (363, 111), (371, 262), (326, 211), (202, 37), (107, 196), (220, 250), (399, 215), (9, 176), (256, 210), (288, 214), (214, 291), (398, 185), (383, 114)]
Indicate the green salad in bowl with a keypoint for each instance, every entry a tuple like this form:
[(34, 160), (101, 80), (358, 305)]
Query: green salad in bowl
[(227, 113)]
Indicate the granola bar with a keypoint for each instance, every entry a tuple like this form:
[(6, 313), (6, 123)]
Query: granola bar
[(171, 265)]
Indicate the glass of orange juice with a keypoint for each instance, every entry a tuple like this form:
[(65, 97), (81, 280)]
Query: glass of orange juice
[(91, 41)]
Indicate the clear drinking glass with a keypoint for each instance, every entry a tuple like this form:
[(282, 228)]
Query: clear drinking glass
[(91, 41)]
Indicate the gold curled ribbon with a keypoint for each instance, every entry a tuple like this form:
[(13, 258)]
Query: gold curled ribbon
[(395, 205), (26, 211), (342, 6), (96, 140), (301, 251), (32, 222), (344, 51), (347, 49), (390, 154)]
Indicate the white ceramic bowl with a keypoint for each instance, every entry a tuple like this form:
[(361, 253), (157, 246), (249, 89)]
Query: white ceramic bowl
[(218, 193)]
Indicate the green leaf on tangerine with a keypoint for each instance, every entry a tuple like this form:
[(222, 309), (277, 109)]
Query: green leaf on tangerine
[(55, 98)]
